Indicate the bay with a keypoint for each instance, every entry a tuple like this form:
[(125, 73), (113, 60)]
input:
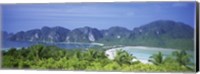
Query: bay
[(68, 45)]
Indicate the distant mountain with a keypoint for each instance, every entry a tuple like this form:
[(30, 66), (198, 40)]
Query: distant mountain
[(167, 28), (6, 35), (115, 36), (116, 32), (85, 34), (164, 33), (160, 33), (55, 34)]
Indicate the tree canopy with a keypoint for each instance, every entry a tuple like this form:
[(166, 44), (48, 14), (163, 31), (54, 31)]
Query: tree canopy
[(52, 57)]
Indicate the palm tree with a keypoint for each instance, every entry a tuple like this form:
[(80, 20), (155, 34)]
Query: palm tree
[(90, 54), (182, 58), (123, 57), (101, 54), (78, 54), (157, 59)]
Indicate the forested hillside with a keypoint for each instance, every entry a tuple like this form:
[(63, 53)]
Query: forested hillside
[(160, 33)]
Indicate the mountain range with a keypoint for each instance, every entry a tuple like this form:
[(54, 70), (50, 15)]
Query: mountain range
[(160, 33)]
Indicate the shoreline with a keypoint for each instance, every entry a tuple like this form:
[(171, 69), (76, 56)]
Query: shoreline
[(92, 43), (112, 52), (150, 48)]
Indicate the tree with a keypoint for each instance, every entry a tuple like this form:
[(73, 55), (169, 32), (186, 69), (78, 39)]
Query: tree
[(182, 58), (90, 55), (122, 57), (7, 62), (12, 51), (112, 66), (51, 57), (78, 54), (157, 59)]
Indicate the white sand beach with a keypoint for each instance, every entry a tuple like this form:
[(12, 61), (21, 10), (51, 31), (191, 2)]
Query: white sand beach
[(112, 52)]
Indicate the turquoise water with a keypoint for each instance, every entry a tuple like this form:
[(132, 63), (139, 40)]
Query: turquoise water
[(146, 53), (143, 53)]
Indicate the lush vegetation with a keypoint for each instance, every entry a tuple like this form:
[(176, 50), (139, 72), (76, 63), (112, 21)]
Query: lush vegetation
[(51, 57)]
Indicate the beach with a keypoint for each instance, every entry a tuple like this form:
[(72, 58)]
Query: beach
[(142, 53)]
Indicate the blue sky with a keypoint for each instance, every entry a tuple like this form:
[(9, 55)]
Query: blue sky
[(23, 17)]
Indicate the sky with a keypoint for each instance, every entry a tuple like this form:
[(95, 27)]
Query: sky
[(23, 17)]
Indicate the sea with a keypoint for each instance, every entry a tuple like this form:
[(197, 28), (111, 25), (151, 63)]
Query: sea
[(6, 44)]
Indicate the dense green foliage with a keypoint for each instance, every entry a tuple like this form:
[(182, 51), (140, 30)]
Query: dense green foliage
[(51, 57), (157, 59)]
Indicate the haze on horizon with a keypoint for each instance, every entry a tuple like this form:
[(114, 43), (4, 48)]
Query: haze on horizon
[(23, 17)]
